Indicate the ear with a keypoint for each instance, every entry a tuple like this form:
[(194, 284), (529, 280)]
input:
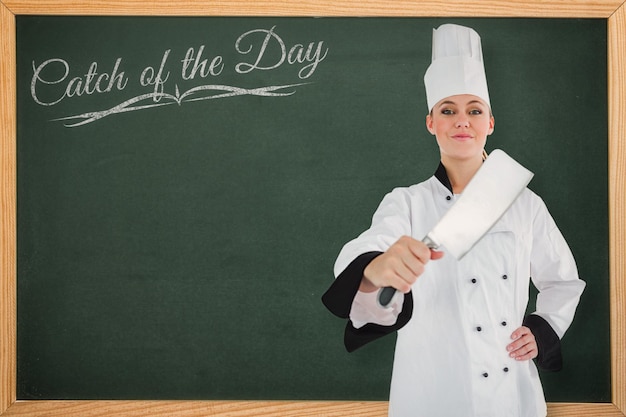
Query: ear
[(492, 125), (429, 124)]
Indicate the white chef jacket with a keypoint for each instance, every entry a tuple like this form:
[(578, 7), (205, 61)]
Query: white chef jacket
[(450, 358)]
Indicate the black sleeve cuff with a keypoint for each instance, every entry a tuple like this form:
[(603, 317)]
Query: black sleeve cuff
[(548, 343), (355, 338), (339, 297)]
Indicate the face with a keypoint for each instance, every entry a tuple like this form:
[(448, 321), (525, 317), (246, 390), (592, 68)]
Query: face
[(461, 125)]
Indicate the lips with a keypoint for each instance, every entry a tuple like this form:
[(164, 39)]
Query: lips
[(462, 136)]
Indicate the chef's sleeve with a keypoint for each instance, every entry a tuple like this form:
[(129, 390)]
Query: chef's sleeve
[(368, 321), (555, 275)]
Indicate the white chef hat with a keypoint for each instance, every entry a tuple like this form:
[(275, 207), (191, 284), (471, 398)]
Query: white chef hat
[(457, 65)]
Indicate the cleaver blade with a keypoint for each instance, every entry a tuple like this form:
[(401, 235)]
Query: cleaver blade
[(489, 194)]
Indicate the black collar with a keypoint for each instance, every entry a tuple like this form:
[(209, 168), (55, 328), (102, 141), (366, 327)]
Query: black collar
[(442, 176)]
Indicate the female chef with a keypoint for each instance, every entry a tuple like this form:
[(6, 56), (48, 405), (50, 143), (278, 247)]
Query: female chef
[(464, 347)]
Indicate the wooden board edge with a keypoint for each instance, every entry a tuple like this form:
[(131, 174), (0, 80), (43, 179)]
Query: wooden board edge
[(199, 408), (359, 8), (254, 408), (617, 201), (614, 11), (8, 250)]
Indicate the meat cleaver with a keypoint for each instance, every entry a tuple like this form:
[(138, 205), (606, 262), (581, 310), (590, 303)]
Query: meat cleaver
[(490, 193)]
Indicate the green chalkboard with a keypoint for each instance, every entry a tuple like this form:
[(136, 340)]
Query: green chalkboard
[(185, 184)]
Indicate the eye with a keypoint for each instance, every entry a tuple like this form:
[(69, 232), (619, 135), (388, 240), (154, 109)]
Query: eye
[(447, 111), (476, 112)]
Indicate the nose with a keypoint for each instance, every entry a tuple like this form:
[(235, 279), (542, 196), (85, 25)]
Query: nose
[(462, 121)]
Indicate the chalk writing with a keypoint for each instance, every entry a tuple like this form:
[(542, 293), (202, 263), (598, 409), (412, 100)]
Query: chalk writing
[(154, 99), (296, 54), (77, 86), (156, 78), (259, 49), (215, 67)]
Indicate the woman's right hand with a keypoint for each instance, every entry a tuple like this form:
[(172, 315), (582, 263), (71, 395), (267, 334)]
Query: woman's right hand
[(399, 267)]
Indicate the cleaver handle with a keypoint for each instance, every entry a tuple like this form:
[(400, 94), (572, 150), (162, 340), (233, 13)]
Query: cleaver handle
[(386, 294)]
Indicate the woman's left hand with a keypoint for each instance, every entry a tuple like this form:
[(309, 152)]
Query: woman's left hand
[(524, 345)]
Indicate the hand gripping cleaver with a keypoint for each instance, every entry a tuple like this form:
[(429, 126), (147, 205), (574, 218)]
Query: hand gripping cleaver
[(489, 194)]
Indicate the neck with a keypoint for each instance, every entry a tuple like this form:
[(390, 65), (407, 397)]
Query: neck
[(460, 172)]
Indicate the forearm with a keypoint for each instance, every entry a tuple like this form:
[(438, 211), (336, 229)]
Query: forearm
[(367, 320)]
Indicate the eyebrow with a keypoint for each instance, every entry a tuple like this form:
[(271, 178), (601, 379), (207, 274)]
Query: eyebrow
[(455, 104)]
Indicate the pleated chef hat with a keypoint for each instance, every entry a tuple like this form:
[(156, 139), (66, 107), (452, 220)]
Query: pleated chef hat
[(457, 65)]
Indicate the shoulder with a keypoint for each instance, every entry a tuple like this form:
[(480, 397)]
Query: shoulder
[(531, 213), (530, 202), (427, 187), (409, 195)]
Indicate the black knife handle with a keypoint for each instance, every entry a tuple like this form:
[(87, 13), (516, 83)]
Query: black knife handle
[(386, 294)]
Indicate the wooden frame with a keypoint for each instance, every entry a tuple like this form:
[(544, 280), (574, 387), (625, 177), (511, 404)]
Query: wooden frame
[(612, 10)]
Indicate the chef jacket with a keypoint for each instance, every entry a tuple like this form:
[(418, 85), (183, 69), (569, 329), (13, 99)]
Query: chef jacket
[(454, 325)]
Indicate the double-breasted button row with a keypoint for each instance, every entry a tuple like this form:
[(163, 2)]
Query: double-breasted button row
[(503, 323), (474, 280), (505, 370)]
